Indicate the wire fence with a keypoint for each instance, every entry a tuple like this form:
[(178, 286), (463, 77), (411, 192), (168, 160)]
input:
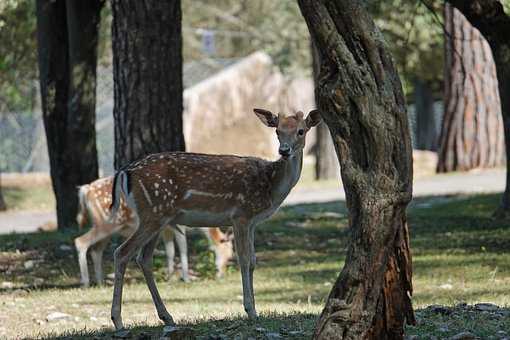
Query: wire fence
[(23, 140)]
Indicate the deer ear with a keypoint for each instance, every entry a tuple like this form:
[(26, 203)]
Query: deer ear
[(314, 118), (267, 117)]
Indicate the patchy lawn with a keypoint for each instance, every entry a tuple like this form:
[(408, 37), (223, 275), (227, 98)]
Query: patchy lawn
[(460, 256), (38, 197)]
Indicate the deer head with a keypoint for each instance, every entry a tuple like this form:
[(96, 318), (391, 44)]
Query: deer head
[(290, 129)]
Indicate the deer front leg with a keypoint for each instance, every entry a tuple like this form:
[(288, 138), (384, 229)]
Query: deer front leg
[(244, 240), (96, 253), (167, 235), (144, 260), (82, 244)]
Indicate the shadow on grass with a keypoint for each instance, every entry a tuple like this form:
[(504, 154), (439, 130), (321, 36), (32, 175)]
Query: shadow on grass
[(314, 233), (288, 326)]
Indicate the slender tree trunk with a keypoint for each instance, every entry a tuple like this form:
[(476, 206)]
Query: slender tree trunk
[(426, 133), (326, 162), (490, 18), (361, 99), (68, 103), (3, 206), (472, 132), (83, 19), (147, 70)]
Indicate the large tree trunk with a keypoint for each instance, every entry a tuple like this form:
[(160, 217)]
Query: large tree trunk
[(326, 162), (68, 105), (426, 133), (489, 17), (147, 70), (472, 131), (361, 99)]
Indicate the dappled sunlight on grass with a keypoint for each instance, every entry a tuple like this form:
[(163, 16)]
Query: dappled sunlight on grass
[(460, 255)]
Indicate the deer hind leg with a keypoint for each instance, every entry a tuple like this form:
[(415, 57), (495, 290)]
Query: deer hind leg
[(244, 241), (121, 257), (167, 235), (96, 253), (144, 260), (82, 244), (180, 239)]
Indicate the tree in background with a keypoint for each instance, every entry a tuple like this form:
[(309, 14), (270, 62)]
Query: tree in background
[(361, 99), (147, 70), (426, 134), (489, 17), (67, 35), (472, 130), (326, 162), (415, 40), (3, 206)]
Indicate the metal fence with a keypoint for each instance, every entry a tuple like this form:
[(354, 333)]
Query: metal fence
[(23, 140)]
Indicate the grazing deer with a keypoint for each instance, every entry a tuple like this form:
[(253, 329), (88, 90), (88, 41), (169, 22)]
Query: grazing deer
[(199, 190), (94, 204)]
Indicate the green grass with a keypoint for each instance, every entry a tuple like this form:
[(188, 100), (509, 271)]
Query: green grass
[(459, 255), (38, 197)]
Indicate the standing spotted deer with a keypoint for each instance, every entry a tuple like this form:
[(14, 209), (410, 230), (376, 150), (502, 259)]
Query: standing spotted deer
[(200, 190), (94, 208)]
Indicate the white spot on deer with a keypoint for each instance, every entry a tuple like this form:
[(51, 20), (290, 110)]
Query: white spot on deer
[(155, 209), (164, 180), (170, 181), (161, 157), (192, 192), (147, 196), (240, 197), (156, 185), (164, 197), (156, 193)]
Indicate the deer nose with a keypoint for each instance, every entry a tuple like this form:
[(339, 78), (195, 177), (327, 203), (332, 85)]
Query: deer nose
[(284, 149)]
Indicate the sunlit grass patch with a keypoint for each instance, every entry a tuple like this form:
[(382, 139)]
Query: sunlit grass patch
[(459, 253)]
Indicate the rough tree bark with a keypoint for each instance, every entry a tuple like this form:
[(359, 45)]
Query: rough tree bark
[(67, 40), (489, 17), (147, 71), (426, 133), (361, 99), (472, 131), (326, 162)]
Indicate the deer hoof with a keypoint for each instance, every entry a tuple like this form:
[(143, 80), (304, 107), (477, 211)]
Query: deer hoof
[(122, 334), (167, 320)]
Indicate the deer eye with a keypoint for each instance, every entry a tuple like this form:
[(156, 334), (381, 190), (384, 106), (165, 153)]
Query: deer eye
[(301, 132)]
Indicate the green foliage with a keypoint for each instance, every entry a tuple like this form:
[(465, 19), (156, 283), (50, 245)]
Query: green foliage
[(414, 37), (242, 27), (18, 56)]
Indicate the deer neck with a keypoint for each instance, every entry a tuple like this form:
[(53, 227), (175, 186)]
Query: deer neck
[(286, 175)]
